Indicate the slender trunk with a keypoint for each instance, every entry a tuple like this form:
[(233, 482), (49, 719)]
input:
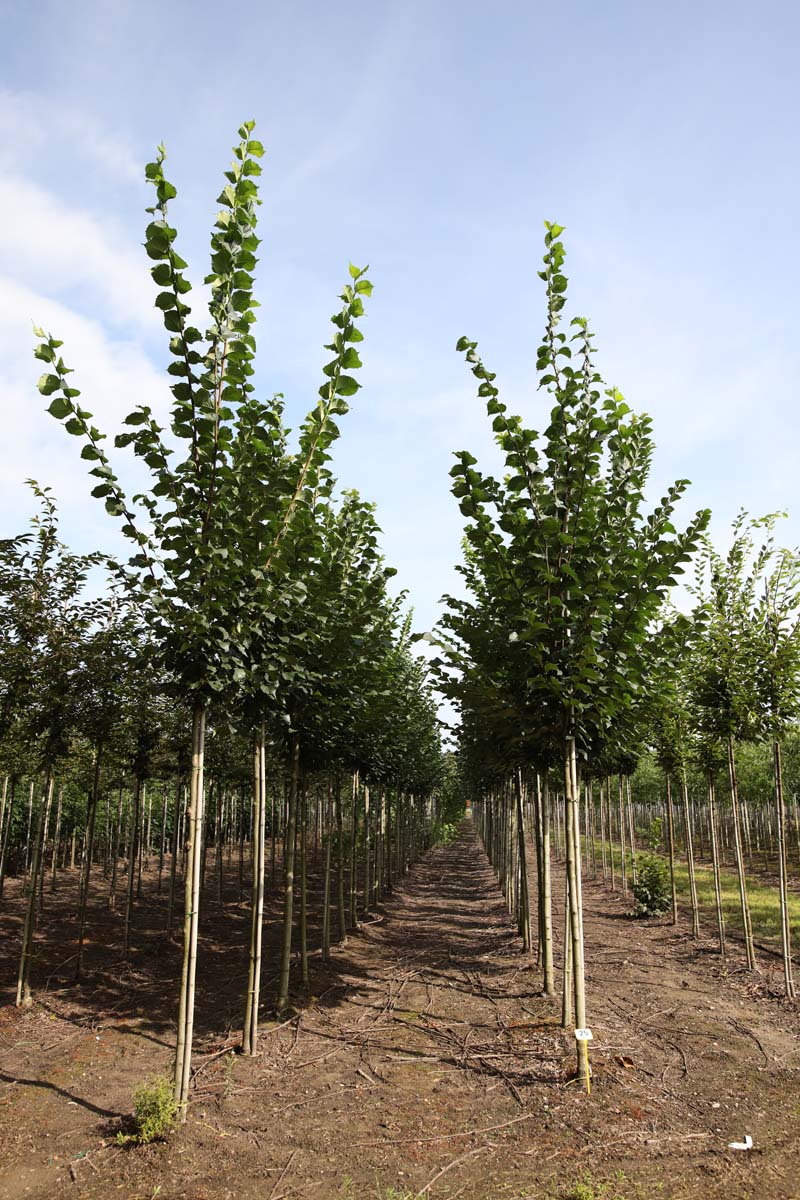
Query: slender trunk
[(162, 841), (712, 832), (183, 1054), (340, 861), (4, 839), (609, 823), (536, 829), (240, 834), (367, 841), (354, 855), (671, 848), (45, 833), (177, 821), (23, 978), (112, 891), (288, 884), (573, 848), (272, 838), (3, 808), (250, 1032), (524, 922), (133, 856), (86, 866), (28, 834), (567, 987), (218, 827), (690, 858), (786, 945), (547, 895), (327, 834), (140, 834), (621, 808), (56, 836), (737, 843), (631, 828), (303, 888), (603, 829)]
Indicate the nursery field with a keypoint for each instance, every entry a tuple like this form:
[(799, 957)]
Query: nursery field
[(425, 1062), (299, 901)]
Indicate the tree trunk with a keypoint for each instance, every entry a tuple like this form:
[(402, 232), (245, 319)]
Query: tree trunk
[(546, 894), (340, 861), (786, 944), (737, 843), (133, 857), (250, 1032), (56, 837), (690, 857), (367, 851), (304, 886), (573, 849), (631, 828), (327, 835), (6, 833), (671, 848), (712, 831), (86, 865), (621, 809), (23, 978), (288, 879), (354, 856), (183, 1054), (177, 819), (162, 841), (524, 922)]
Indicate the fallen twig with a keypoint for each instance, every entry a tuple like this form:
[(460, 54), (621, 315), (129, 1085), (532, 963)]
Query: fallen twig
[(456, 1161), (280, 1178), (443, 1137)]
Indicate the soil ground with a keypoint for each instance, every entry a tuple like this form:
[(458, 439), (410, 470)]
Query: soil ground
[(425, 1062)]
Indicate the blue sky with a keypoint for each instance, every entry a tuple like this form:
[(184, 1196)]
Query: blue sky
[(430, 140)]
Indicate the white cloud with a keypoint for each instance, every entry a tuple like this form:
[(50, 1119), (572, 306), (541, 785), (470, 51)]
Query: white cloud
[(113, 374), (31, 124), (60, 250)]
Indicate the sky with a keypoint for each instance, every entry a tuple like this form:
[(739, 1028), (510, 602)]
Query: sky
[(430, 140)]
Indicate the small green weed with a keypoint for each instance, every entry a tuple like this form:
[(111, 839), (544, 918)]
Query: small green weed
[(154, 1112), (588, 1188), (652, 890)]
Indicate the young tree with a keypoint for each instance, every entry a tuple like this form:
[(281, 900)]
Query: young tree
[(584, 570), (203, 565)]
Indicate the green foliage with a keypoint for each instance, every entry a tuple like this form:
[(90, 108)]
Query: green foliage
[(155, 1112), (589, 1188), (565, 570), (655, 833), (231, 513), (652, 888), (443, 832)]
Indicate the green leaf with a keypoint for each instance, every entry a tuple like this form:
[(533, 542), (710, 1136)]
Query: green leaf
[(347, 386), (49, 384), (60, 408)]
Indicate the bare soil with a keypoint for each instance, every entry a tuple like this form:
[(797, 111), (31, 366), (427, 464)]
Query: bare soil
[(425, 1059)]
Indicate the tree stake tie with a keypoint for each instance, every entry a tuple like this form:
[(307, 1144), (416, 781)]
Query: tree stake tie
[(584, 1036)]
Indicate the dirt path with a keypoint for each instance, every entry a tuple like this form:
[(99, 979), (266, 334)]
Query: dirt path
[(426, 1061)]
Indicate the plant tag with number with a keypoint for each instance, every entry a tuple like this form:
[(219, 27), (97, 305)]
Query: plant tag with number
[(583, 1035)]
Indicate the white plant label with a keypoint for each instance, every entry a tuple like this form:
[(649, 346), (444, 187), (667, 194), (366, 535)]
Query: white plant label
[(583, 1035)]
